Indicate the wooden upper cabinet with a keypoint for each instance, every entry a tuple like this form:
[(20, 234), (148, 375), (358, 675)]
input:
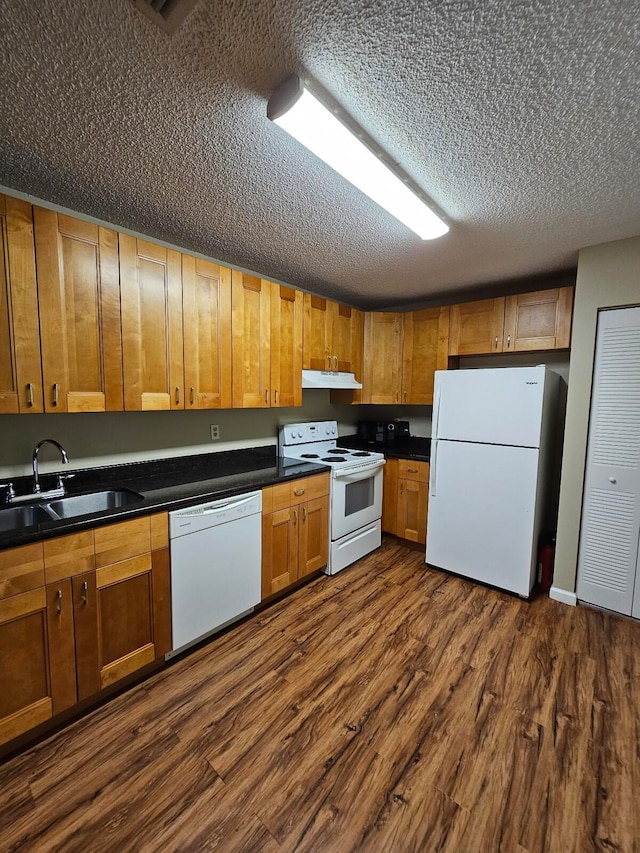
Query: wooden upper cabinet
[(477, 327), (250, 300), (317, 329), (425, 350), (341, 325), (150, 279), (20, 369), (79, 301), (286, 346), (383, 367), (206, 301), (538, 321)]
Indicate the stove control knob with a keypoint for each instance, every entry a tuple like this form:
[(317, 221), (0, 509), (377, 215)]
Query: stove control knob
[(333, 430), (328, 430), (300, 433)]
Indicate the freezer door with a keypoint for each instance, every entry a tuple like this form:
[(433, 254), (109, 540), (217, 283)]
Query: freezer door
[(495, 406), (482, 513)]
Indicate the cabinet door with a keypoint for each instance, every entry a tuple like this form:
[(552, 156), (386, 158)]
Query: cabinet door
[(314, 536), (390, 497), (412, 510), (206, 301), (286, 346), (383, 358), (539, 320), (79, 306), (425, 350), (36, 658), (279, 550), (250, 298), (150, 279), (477, 327), (317, 326), (20, 369), (340, 320)]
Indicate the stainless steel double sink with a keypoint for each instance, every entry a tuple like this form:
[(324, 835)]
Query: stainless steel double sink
[(14, 518)]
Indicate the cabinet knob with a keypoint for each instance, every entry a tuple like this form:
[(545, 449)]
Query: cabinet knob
[(298, 492), (612, 480), (412, 470), (29, 393)]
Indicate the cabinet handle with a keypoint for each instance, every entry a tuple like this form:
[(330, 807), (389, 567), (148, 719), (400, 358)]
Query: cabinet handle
[(508, 341), (266, 397), (328, 362), (85, 593), (405, 396), (304, 514), (177, 395), (29, 393), (295, 516), (496, 342), (335, 362), (401, 488), (59, 601), (397, 396), (275, 396), (412, 470), (298, 492), (55, 400), (192, 395)]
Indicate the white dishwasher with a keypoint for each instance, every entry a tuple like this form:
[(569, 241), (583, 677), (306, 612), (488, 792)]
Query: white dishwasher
[(216, 557)]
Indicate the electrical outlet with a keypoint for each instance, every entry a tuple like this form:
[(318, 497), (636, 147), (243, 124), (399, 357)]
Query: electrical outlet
[(215, 432)]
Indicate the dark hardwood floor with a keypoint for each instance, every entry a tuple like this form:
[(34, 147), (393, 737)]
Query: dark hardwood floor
[(390, 708)]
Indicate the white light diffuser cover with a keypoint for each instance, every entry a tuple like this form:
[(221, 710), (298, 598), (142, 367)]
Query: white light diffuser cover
[(312, 124)]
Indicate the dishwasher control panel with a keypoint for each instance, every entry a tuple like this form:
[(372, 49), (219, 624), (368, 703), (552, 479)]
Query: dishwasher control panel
[(213, 513)]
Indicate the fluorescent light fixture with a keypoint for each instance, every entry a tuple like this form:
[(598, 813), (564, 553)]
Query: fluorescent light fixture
[(300, 113)]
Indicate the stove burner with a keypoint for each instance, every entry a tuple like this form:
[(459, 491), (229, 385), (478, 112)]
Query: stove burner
[(310, 455), (334, 458), (361, 453), (337, 450)]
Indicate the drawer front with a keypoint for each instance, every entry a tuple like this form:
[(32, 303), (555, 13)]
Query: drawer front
[(21, 569), (410, 470), (308, 488), (68, 556), (122, 541)]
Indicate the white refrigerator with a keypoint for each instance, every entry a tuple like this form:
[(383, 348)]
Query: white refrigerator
[(492, 437)]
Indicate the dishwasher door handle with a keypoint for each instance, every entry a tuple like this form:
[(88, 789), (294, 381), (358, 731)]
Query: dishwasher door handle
[(213, 509)]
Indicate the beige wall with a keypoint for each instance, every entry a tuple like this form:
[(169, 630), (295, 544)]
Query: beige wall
[(608, 277)]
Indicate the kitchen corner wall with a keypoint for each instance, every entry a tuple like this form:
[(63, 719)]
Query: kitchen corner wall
[(109, 438), (608, 277)]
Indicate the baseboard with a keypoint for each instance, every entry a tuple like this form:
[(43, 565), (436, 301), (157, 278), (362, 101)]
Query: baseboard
[(563, 595)]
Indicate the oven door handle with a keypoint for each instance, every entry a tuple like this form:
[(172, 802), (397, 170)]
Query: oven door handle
[(363, 474)]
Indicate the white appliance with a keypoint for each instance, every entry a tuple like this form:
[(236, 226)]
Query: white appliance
[(355, 505), (216, 557), (489, 472)]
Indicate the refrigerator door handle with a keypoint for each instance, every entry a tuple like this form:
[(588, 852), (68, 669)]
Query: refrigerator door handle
[(436, 407), (433, 468)]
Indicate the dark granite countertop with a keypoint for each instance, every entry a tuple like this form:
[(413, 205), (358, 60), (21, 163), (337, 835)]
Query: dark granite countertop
[(413, 448), (165, 484)]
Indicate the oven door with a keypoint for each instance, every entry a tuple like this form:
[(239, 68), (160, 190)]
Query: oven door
[(356, 498)]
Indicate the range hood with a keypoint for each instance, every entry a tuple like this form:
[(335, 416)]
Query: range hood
[(329, 379)]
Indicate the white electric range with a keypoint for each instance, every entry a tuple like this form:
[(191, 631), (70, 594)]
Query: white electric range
[(355, 506)]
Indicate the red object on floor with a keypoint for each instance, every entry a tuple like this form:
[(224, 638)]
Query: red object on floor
[(546, 558)]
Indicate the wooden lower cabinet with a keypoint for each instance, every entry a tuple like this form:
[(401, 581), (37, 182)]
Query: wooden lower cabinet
[(295, 532), (69, 628), (405, 499)]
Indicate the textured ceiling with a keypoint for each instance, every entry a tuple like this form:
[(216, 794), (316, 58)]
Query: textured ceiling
[(520, 119)]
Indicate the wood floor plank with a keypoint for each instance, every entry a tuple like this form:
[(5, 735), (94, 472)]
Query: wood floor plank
[(391, 707)]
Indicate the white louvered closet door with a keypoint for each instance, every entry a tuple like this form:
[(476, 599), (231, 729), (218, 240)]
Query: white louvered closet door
[(607, 564)]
